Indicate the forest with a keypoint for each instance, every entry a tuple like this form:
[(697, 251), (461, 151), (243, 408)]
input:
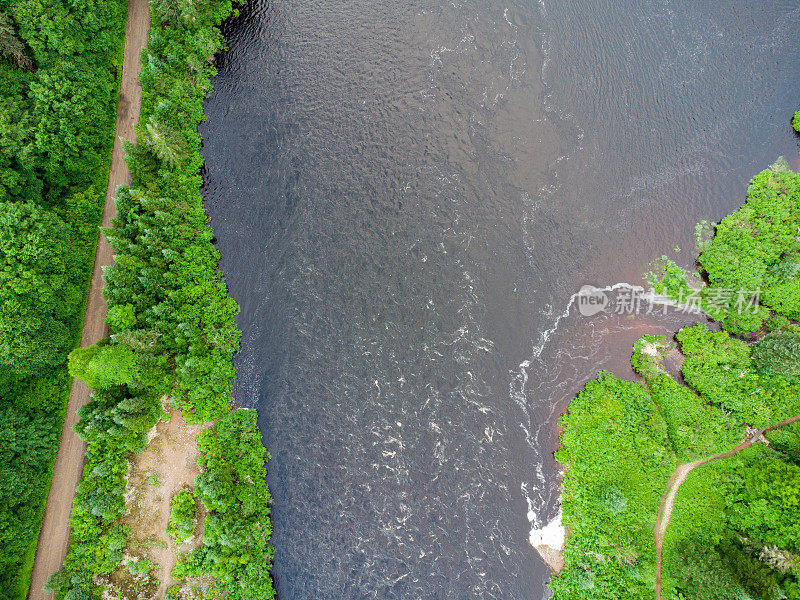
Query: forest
[(172, 334), (735, 529), (59, 79)]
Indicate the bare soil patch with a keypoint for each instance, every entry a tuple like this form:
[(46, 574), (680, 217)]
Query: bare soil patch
[(167, 466)]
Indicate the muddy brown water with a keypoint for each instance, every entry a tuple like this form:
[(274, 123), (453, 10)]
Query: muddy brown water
[(406, 196)]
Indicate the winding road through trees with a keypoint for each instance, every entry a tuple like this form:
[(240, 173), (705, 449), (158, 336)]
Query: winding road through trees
[(54, 535), (679, 476)]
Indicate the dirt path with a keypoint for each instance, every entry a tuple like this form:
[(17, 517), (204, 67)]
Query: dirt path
[(53, 538), (679, 476)]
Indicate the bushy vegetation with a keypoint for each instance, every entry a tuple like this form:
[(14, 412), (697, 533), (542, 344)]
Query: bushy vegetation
[(733, 533), (183, 508), (172, 334), (59, 66), (113, 424), (758, 248), (35, 250), (735, 529), (236, 532), (752, 264), (695, 428), (618, 457), (727, 515)]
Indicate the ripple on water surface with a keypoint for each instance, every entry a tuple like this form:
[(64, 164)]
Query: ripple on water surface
[(405, 196)]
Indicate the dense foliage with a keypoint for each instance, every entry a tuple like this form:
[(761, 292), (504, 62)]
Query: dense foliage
[(172, 334), (621, 442), (59, 65), (612, 487), (183, 508), (236, 532), (757, 248), (735, 529), (752, 264), (35, 291)]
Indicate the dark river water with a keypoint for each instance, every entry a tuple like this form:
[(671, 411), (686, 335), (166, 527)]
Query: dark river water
[(406, 195)]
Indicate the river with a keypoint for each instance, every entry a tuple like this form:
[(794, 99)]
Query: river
[(406, 196)]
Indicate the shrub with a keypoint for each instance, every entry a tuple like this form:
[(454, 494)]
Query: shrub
[(778, 354), (756, 249), (233, 490), (103, 366), (121, 318), (181, 519)]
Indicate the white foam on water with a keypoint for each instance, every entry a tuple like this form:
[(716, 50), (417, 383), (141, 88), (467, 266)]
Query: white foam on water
[(517, 385), (551, 535), (538, 494)]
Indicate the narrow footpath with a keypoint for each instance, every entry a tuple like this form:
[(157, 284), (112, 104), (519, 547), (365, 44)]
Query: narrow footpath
[(54, 536), (679, 476)]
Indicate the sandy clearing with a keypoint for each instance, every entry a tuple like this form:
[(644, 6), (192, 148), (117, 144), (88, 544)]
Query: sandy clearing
[(165, 467)]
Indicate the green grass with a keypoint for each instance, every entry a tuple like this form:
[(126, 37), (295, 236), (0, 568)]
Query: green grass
[(618, 461)]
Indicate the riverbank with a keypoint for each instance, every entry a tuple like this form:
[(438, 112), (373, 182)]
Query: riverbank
[(628, 448), (172, 335)]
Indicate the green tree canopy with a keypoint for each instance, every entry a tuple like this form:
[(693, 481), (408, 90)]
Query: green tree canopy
[(765, 506), (36, 295), (103, 366), (778, 354)]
